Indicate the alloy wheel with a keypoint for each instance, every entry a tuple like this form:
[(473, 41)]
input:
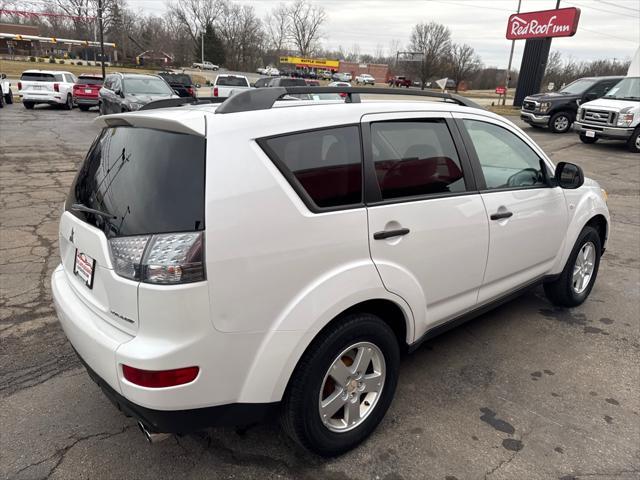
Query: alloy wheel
[(583, 267), (352, 387)]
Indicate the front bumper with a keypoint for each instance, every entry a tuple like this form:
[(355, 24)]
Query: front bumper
[(534, 119), (614, 133)]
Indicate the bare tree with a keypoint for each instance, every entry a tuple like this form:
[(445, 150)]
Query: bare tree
[(196, 15), (277, 28), (305, 23), (433, 41), (464, 62)]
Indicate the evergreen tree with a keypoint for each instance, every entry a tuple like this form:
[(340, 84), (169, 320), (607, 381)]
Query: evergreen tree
[(213, 47)]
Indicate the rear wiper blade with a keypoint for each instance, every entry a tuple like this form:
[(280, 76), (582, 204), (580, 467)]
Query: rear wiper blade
[(80, 207)]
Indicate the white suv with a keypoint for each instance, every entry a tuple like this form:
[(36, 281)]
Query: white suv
[(52, 87), (223, 263)]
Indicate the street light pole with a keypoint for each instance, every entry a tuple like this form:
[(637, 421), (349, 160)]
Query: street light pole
[(101, 37), (508, 72)]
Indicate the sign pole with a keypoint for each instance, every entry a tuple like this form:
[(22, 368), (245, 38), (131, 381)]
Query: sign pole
[(101, 37), (507, 74)]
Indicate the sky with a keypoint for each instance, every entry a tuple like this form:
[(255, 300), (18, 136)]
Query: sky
[(607, 29)]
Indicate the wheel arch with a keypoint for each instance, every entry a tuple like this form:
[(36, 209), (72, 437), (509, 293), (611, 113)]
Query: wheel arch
[(600, 224)]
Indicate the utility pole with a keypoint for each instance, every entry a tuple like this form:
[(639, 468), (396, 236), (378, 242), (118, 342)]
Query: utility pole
[(202, 48), (507, 75), (101, 37)]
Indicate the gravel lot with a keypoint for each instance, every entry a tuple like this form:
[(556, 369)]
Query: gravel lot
[(527, 391)]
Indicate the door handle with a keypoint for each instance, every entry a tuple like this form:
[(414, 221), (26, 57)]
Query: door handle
[(501, 215), (390, 233)]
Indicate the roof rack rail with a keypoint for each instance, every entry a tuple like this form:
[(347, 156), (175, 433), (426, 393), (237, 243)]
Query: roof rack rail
[(264, 98), (179, 102)]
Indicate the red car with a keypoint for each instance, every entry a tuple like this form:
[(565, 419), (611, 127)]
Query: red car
[(85, 91), (399, 82)]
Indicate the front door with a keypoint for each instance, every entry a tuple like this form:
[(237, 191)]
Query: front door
[(527, 214), (428, 231)]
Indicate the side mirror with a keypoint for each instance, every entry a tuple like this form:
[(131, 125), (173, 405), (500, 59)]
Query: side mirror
[(197, 85), (569, 175), (119, 93), (3, 76), (590, 96)]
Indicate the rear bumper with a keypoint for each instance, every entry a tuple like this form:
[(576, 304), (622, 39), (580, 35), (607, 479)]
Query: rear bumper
[(90, 102), (48, 99), (615, 133), (534, 119), (185, 421)]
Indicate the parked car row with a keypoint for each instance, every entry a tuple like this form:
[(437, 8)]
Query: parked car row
[(118, 92), (599, 107)]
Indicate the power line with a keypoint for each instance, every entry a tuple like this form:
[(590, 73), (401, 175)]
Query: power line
[(598, 9), (621, 6), (607, 35)]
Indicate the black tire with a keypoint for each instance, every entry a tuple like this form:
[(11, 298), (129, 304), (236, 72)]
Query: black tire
[(633, 144), (28, 105), (300, 415), (560, 291), (101, 109), (83, 108), (9, 97), (560, 122), (1, 99), (68, 105), (587, 140)]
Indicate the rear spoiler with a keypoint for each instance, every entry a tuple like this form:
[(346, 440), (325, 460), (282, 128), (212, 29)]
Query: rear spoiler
[(190, 122)]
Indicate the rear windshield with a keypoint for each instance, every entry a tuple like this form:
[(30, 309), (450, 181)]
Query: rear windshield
[(176, 78), (146, 86), (291, 82), (41, 77), (89, 81), (232, 82), (151, 180)]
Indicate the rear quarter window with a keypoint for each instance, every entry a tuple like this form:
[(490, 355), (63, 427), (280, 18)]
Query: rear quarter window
[(323, 166)]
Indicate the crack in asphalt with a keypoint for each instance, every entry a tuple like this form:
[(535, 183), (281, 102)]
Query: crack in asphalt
[(61, 452)]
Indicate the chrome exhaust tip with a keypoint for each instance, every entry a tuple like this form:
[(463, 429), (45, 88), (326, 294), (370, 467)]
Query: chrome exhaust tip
[(152, 437)]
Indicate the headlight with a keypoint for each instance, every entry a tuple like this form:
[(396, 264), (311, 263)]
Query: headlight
[(135, 106), (625, 119), (544, 106)]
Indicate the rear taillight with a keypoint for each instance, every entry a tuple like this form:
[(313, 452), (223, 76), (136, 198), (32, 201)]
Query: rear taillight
[(191, 92), (160, 378), (56, 87), (19, 85), (215, 91), (76, 87), (167, 258)]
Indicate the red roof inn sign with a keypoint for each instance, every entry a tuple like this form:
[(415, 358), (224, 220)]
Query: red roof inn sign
[(562, 22)]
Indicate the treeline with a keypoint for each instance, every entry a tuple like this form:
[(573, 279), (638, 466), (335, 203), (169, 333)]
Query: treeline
[(562, 71)]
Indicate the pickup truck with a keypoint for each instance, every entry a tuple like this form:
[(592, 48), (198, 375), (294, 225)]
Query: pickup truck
[(205, 66), (400, 82), (226, 85)]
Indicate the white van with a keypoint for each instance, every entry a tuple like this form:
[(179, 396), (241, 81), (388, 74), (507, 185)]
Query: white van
[(616, 115)]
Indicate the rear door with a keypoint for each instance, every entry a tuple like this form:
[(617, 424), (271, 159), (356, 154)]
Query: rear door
[(144, 182), (428, 230), (527, 214)]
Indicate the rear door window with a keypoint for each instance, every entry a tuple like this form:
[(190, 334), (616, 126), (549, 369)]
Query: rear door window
[(415, 158), (323, 166), (152, 181)]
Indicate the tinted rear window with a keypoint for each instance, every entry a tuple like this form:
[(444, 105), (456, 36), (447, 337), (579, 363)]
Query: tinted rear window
[(40, 77), (152, 181), (89, 81), (176, 78), (232, 82), (290, 82), (325, 165)]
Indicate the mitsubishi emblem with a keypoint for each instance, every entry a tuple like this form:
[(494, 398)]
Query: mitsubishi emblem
[(71, 235)]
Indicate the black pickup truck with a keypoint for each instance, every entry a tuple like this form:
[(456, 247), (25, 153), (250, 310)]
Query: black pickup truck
[(181, 83), (557, 110)]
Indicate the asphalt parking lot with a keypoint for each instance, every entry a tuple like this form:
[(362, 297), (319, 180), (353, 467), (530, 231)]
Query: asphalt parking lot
[(527, 391)]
